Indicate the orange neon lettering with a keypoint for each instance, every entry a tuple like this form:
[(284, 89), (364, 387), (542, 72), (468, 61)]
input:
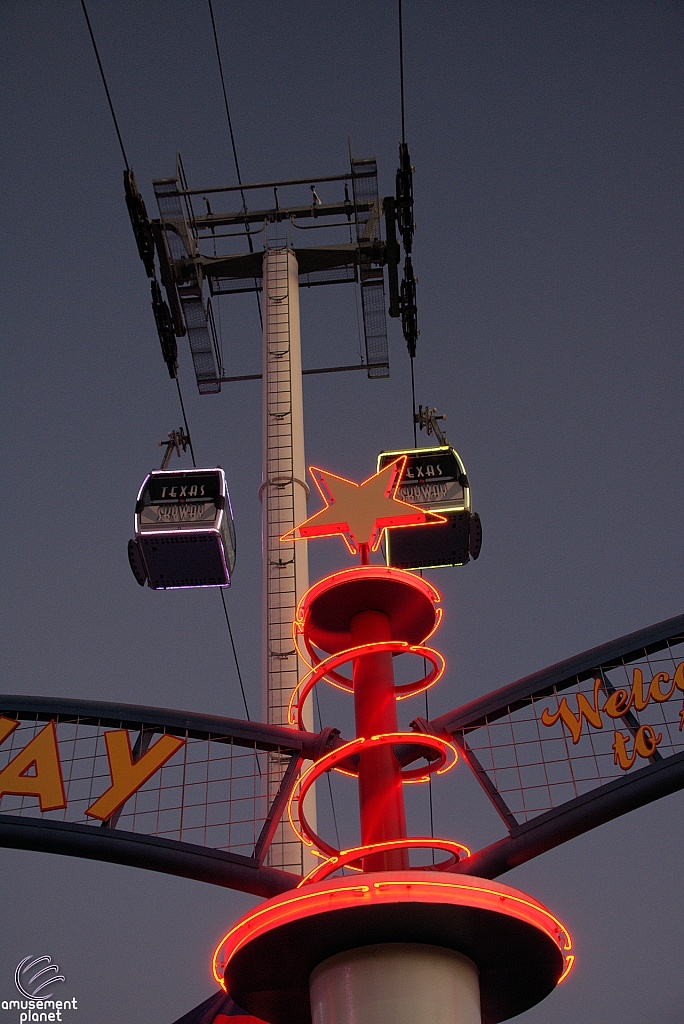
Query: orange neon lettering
[(620, 755), (618, 703), (584, 710), (645, 743), (7, 727), (127, 776), (47, 783), (679, 676), (654, 691), (637, 696)]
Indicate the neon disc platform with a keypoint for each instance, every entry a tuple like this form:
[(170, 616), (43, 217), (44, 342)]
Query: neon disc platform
[(518, 947)]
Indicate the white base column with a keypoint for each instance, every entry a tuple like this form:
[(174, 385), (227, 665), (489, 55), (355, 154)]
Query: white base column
[(396, 983)]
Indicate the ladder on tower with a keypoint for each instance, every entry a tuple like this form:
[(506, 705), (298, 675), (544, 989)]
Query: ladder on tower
[(285, 565)]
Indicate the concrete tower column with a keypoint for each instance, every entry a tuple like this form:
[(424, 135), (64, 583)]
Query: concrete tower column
[(396, 983)]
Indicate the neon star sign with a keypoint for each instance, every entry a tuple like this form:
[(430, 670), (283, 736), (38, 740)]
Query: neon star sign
[(360, 512)]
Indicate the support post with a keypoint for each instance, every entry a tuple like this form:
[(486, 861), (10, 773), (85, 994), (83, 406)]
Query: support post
[(396, 983), (381, 797)]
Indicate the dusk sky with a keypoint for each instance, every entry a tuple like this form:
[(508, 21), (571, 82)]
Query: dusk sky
[(547, 141)]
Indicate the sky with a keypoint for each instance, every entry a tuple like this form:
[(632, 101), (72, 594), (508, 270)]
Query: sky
[(548, 151)]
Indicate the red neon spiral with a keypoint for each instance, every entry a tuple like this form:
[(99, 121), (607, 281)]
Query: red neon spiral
[(325, 669), (397, 614), (443, 755)]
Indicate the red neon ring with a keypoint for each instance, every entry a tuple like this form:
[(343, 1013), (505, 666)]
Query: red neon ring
[(323, 670), (347, 857), (390, 888), (393, 646), (328, 761), (367, 572)]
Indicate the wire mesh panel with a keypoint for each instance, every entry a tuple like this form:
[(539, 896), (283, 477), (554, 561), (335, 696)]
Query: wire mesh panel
[(209, 789), (542, 750)]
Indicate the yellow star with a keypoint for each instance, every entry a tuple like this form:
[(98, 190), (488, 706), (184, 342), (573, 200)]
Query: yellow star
[(360, 512)]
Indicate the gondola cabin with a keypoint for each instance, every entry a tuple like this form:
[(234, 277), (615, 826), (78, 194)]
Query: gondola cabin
[(184, 531), (436, 480)]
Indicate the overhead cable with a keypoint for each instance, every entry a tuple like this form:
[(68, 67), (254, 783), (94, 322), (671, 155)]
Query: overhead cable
[(403, 143), (180, 395), (232, 141), (237, 664), (223, 599), (104, 82), (413, 404), (401, 72), (185, 421), (332, 800), (225, 99)]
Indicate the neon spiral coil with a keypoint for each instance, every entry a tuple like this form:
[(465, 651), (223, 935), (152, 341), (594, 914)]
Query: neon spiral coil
[(442, 754), (505, 931)]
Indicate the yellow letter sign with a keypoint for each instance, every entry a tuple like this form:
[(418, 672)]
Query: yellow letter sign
[(127, 777), (618, 703), (41, 753)]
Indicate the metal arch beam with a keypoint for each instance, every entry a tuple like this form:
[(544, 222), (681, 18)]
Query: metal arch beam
[(576, 817), (248, 734), (113, 846), (565, 673)]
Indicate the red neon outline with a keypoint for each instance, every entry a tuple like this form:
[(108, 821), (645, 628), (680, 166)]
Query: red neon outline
[(569, 964), (526, 901), (356, 572), (325, 666), (374, 572), (403, 691), (322, 765), (305, 833), (439, 612), (395, 471), (346, 857), (264, 910), (395, 887)]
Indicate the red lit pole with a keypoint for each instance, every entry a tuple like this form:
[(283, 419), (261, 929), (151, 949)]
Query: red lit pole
[(381, 797)]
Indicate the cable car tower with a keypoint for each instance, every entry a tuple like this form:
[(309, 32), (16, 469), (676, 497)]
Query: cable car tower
[(177, 243), (394, 943)]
